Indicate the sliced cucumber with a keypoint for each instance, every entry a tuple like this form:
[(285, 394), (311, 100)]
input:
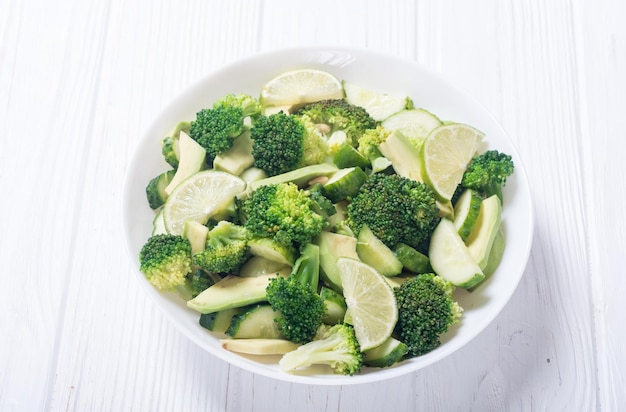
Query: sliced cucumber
[(335, 306), (158, 224), (344, 184), (450, 257), (412, 260), (155, 191), (379, 106), (348, 156), (481, 239), (415, 124), (218, 321), (333, 246), (385, 355), (375, 253), (466, 211), (255, 322)]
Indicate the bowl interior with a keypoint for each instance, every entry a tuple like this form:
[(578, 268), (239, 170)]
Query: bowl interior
[(379, 72)]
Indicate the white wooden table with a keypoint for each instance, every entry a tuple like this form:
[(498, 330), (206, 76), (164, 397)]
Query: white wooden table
[(80, 81)]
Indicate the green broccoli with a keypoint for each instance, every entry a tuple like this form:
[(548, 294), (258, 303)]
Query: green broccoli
[(226, 248), (199, 281), (216, 128), (426, 309), (301, 309), (396, 209), (335, 346), (282, 212), (487, 173), (338, 115), (165, 260), (368, 143), (282, 143), (169, 144)]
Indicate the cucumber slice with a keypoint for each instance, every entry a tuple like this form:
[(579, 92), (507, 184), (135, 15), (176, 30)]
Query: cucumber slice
[(411, 259), (348, 156), (335, 306), (344, 184), (481, 239), (332, 247), (255, 322), (379, 106), (218, 321), (415, 124), (450, 257), (155, 191), (385, 355), (375, 253), (466, 212)]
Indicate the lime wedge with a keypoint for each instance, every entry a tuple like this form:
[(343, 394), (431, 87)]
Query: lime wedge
[(301, 86), (445, 154), (371, 303), (199, 197)]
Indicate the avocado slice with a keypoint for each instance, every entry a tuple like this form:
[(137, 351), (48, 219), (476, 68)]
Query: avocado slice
[(375, 253), (403, 155), (192, 160), (481, 239)]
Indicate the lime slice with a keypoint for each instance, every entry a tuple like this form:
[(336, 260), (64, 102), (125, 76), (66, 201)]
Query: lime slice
[(445, 154), (301, 86), (372, 308), (199, 197)]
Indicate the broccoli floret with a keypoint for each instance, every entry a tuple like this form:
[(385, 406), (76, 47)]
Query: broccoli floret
[(338, 115), (282, 212), (335, 346), (368, 144), (301, 309), (200, 281), (165, 260), (487, 173), (282, 143), (226, 248), (426, 309), (216, 128), (396, 209)]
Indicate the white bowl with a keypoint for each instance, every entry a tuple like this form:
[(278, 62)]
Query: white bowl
[(380, 72)]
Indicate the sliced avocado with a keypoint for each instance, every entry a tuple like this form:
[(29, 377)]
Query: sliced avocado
[(258, 265), (481, 239), (332, 246), (375, 253), (300, 177), (192, 160), (268, 249), (197, 234), (403, 155), (158, 224), (238, 158), (169, 145), (255, 322), (496, 253), (231, 292), (259, 346)]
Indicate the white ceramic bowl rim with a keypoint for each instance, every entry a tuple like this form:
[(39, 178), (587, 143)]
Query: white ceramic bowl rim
[(380, 72)]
